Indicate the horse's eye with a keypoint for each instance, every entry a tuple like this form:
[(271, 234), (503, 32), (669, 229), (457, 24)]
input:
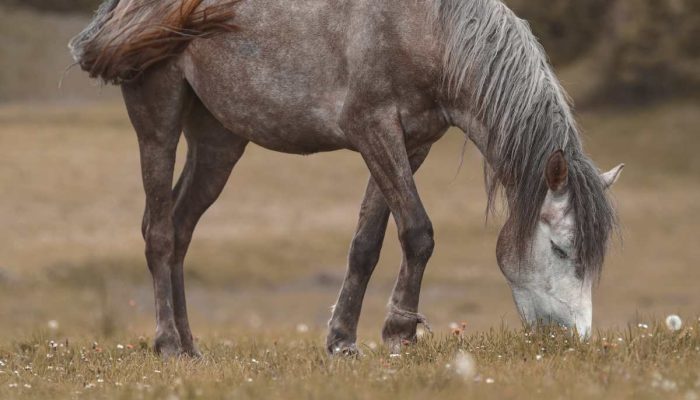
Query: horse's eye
[(558, 251)]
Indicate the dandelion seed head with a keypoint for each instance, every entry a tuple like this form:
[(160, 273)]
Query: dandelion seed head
[(464, 365), (53, 325), (674, 322)]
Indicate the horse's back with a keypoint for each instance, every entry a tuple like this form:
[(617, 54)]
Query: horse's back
[(284, 79)]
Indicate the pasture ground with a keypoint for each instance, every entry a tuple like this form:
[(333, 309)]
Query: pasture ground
[(639, 362)]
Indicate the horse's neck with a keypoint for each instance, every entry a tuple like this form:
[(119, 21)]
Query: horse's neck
[(462, 118), (473, 125)]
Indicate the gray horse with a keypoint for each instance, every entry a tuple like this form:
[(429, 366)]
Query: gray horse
[(383, 78)]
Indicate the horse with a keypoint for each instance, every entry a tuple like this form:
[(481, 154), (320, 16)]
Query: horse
[(382, 78)]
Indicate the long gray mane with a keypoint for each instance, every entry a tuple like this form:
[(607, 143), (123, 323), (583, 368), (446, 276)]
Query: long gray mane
[(493, 56)]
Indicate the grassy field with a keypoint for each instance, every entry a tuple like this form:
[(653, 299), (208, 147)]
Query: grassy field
[(640, 362)]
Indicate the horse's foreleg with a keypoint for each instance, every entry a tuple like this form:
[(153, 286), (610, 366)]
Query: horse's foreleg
[(155, 104), (213, 151), (380, 140), (364, 255)]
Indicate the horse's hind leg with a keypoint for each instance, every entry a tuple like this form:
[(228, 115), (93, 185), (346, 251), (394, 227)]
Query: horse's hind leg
[(364, 255), (156, 103), (212, 153)]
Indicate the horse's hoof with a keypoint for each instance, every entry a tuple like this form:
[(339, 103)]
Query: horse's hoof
[(168, 346), (399, 332), (193, 353), (346, 350)]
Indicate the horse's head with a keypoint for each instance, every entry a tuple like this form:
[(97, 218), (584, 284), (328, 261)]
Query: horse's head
[(549, 284)]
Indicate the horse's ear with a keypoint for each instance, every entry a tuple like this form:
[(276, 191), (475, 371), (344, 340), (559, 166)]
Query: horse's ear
[(609, 178), (557, 171)]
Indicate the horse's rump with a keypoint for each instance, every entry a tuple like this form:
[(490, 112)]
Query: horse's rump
[(128, 36)]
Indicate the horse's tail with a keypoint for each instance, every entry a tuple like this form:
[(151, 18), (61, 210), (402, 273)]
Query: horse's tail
[(128, 36)]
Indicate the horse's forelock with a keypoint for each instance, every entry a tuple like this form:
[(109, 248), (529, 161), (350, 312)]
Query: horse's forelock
[(492, 55)]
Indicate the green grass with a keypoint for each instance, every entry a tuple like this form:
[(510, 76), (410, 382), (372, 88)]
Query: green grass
[(635, 363)]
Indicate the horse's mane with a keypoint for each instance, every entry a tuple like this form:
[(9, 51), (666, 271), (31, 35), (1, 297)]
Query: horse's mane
[(514, 93)]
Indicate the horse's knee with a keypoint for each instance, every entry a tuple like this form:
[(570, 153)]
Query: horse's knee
[(364, 253), (160, 243), (418, 241)]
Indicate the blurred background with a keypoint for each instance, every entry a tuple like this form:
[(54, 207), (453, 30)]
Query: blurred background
[(270, 254)]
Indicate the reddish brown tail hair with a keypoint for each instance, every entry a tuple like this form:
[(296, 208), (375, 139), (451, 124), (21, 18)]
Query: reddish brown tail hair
[(128, 36)]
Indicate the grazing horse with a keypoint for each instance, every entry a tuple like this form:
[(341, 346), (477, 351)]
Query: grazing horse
[(382, 78)]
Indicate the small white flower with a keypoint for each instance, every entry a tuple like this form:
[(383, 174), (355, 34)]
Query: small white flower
[(120, 347), (302, 328), (669, 385), (538, 357), (643, 326), (53, 325), (490, 380), (674, 322), (27, 386), (464, 365)]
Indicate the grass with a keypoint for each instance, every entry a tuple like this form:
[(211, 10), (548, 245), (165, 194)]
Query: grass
[(639, 362)]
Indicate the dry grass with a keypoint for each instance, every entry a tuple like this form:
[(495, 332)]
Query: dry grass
[(635, 363)]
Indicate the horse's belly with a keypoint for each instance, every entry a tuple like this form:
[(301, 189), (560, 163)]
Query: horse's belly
[(296, 129), (298, 139), (282, 110)]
